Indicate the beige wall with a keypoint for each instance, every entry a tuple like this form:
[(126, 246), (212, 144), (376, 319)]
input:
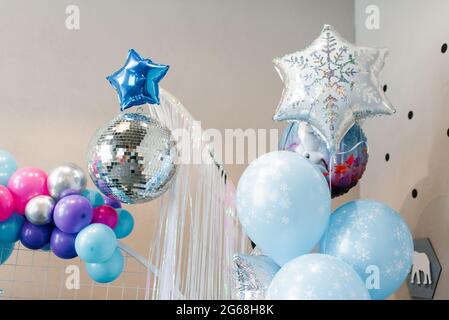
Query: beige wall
[(53, 88)]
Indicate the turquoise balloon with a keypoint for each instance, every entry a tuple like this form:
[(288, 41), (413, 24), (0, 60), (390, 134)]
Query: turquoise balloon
[(10, 229), (46, 247), (96, 243), (94, 197), (125, 224), (107, 271), (8, 166), (6, 251), (373, 239), (283, 203), (317, 277)]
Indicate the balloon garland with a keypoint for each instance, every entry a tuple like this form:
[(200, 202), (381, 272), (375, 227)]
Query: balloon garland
[(131, 160), (57, 210)]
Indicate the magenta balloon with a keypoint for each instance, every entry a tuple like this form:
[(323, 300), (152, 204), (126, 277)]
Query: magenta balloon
[(72, 213), (27, 183), (105, 215), (6, 203)]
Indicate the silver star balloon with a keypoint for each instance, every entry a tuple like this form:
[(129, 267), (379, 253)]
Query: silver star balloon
[(331, 84)]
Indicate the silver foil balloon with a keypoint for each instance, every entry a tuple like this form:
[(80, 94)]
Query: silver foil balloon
[(331, 85), (66, 180), (39, 210), (251, 276), (132, 158)]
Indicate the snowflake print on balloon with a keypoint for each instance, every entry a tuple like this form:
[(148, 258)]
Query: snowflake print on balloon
[(367, 233), (282, 193), (317, 277), (331, 84)]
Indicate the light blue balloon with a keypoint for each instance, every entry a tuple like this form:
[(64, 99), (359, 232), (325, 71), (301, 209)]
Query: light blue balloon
[(95, 198), (125, 224), (283, 202), (317, 277), (375, 241), (10, 229), (8, 166), (96, 243), (5, 251), (107, 271)]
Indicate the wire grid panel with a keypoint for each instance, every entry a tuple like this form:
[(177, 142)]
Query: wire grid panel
[(38, 274)]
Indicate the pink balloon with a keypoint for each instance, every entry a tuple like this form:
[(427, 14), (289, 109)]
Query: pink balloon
[(105, 215), (27, 183), (6, 203)]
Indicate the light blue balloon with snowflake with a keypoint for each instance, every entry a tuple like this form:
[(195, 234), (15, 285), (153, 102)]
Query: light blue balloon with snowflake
[(375, 241), (283, 202), (317, 277)]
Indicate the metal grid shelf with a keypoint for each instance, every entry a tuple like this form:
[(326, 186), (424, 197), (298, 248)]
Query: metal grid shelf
[(38, 274)]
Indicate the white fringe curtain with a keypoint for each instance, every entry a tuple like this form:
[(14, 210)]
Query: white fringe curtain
[(198, 232)]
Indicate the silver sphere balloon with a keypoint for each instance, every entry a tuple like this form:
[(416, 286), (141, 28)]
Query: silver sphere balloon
[(39, 210), (132, 158), (66, 180)]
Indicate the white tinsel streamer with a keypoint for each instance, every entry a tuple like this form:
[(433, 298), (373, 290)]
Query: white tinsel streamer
[(198, 232)]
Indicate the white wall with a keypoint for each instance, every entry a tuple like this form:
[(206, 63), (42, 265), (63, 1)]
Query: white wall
[(417, 78)]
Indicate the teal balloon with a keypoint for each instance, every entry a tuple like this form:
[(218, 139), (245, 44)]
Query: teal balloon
[(5, 251), (95, 243), (107, 271), (375, 241), (95, 198), (8, 166), (10, 229), (125, 224), (317, 277), (284, 203), (46, 247)]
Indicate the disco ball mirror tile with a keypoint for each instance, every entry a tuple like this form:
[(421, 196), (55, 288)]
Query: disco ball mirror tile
[(132, 158)]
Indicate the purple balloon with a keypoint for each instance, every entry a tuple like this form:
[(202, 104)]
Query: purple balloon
[(35, 236), (72, 213), (63, 244), (112, 202)]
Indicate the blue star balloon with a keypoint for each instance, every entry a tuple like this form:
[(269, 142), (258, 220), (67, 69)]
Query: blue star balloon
[(137, 82)]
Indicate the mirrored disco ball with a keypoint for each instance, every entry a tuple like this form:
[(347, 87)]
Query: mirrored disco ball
[(132, 158)]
